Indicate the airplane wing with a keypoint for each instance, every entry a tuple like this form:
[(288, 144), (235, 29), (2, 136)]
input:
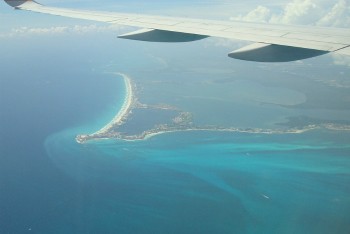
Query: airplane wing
[(270, 42)]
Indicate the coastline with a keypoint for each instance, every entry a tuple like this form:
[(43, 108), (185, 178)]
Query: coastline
[(119, 118), (156, 132), (151, 133), (182, 123), (128, 101)]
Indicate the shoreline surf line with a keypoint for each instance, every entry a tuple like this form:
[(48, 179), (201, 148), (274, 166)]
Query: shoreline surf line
[(122, 114), (124, 110), (149, 134)]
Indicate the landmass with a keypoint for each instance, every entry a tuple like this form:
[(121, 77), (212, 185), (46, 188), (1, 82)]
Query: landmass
[(139, 121)]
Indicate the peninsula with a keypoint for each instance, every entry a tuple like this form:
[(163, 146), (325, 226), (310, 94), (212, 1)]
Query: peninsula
[(139, 121)]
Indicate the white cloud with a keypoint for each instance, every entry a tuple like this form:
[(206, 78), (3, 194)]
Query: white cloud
[(26, 30), (308, 12), (299, 12), (76, 29), (339, 16), (223, 42), (259, 14), (339, 59)]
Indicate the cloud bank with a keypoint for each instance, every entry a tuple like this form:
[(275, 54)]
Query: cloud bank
[(307, 12), (76, 29)]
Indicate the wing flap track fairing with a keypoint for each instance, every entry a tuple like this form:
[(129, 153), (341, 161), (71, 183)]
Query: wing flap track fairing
[(261, 52), (155, 35)]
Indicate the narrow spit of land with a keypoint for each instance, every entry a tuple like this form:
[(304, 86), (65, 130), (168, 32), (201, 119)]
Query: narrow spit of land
[(119, 119)]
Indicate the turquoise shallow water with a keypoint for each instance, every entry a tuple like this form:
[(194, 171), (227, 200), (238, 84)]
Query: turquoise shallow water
[(211, 182)]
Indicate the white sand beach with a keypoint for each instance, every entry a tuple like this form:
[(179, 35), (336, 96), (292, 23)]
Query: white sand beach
[(124, 110)]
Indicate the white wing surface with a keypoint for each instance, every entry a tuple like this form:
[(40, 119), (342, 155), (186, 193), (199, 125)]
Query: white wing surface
[(271, 43)]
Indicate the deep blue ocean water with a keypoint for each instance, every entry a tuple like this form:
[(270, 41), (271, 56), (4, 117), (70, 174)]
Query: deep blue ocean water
[(184, 182)]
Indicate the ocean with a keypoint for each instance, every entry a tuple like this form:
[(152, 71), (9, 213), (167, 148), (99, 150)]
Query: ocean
[(183, 182), (190, 182), (207, 182)]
